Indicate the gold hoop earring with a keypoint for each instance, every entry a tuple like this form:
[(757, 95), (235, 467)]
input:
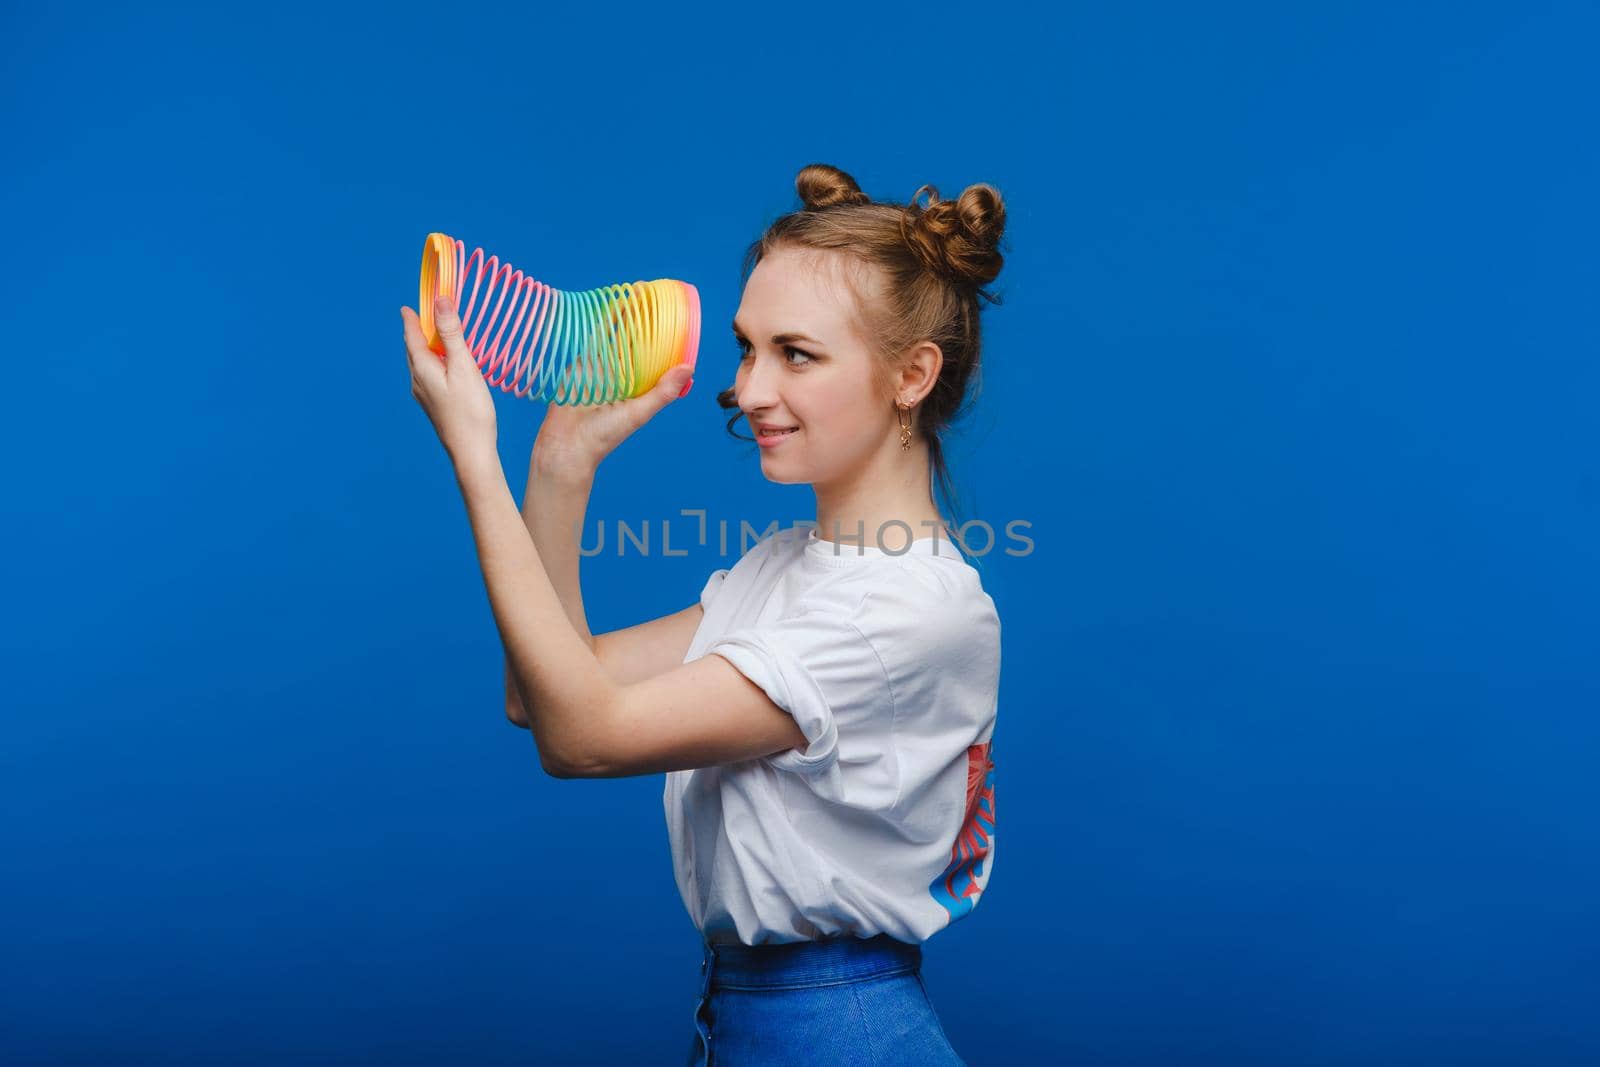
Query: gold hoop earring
[(905, 427)]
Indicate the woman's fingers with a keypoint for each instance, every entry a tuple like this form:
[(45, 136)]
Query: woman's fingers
[(424, 363), (448, 324), (667, 389)]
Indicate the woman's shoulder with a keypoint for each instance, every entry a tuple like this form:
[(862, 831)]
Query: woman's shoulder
[(926, 609), (935, 576), (931, 585)]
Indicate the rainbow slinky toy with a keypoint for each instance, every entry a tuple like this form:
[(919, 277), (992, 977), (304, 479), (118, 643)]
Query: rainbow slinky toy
[(588, 347)]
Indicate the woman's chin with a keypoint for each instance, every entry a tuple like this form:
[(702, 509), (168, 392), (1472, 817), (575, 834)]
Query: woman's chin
[(779, 471)]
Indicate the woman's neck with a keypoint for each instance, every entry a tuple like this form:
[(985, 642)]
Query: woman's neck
[(871, 507)]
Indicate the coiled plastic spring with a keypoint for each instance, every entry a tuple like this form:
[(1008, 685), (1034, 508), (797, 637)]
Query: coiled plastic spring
[(588, 347)]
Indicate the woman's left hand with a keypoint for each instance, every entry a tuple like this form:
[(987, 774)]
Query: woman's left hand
[(451, 390)]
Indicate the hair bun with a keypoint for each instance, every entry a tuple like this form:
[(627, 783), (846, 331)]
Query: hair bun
[(822, 186), (958, 239)]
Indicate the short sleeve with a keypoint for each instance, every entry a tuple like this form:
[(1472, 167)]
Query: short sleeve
[(709, 591), (818, 666)]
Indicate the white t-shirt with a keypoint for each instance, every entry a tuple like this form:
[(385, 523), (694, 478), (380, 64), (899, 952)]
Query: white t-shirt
[(884, 823)]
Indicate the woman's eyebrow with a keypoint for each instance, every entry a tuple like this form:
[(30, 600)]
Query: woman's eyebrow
[(780, 338)]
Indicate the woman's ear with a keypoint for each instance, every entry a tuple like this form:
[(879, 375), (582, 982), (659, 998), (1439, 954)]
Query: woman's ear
[(918, 372)]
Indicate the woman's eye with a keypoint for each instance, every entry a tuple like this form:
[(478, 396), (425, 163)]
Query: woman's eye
[(788, 350)]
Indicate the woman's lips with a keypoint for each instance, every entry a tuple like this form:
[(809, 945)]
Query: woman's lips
[(766, 440)]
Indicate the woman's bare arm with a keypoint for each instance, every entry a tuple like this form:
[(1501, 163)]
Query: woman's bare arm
[(584, 723), (553, 510)]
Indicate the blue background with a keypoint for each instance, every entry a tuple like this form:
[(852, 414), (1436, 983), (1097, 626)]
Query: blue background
[(1295, 380)]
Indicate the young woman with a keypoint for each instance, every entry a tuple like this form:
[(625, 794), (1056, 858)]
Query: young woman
[(824, 712)]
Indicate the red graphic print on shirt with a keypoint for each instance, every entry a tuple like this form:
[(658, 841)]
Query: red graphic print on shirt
[(959, 886)]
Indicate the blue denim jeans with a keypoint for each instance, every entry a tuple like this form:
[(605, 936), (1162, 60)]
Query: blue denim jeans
[(845, 1000)]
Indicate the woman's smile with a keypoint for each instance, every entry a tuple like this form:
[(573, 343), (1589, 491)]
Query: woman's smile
[(768, 438)]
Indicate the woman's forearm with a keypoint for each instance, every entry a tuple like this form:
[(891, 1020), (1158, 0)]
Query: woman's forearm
[(552, 665), (553, 509)]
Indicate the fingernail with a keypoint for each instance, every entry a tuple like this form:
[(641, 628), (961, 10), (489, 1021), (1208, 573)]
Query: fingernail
[(686, 385), (440, 305)]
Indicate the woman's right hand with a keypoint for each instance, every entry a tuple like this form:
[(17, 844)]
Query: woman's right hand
[(573, 439)]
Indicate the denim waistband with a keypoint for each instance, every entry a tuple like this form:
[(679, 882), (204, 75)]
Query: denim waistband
[(798, 964)]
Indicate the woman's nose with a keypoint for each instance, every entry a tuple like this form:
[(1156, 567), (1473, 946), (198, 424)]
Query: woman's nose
[(759, 386)]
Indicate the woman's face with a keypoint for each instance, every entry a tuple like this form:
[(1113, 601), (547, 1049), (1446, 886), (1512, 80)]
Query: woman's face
[(820, 382)]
